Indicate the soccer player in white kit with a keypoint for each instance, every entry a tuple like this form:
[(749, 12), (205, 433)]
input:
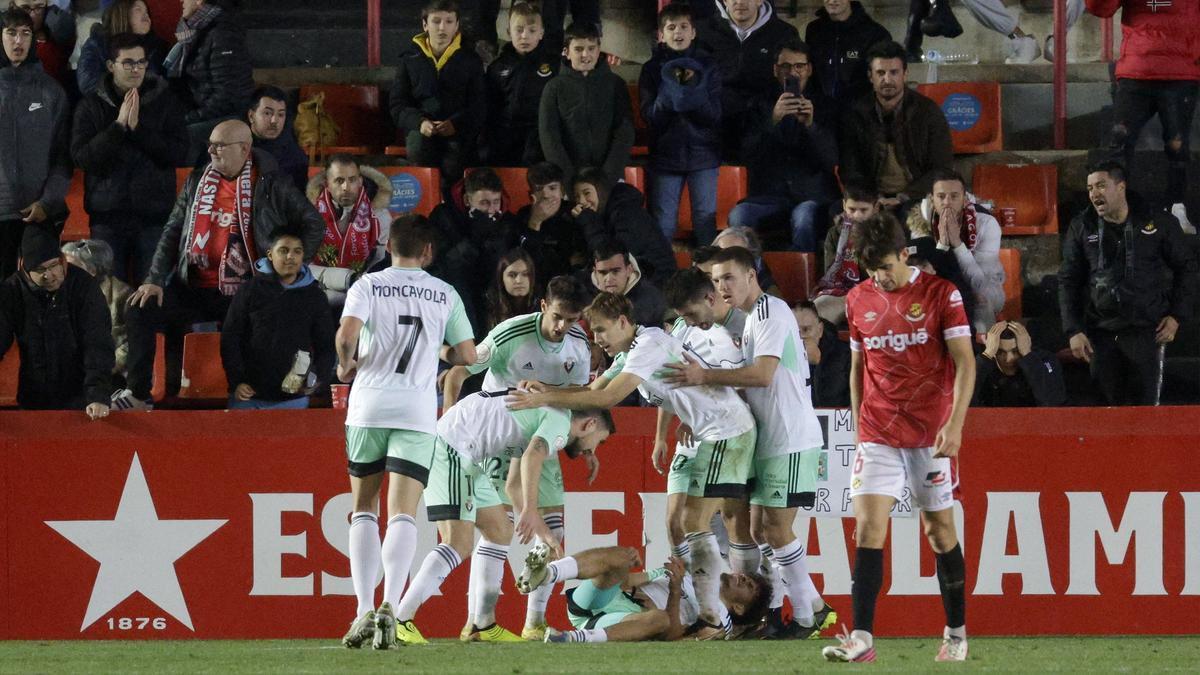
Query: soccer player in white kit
[(775, 379), (394, 325)]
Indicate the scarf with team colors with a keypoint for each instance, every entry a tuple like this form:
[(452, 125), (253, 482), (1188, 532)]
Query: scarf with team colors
[(844, 273), (239, 253), (970, 230), (352, 249)]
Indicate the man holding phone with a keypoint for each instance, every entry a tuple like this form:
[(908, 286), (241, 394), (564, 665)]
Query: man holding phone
[(792, 153)]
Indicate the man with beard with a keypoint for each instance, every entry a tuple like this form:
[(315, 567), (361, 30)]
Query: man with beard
[(268, 122)]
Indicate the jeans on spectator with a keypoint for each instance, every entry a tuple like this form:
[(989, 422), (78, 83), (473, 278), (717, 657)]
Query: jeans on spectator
[(1127, 365), (448, 155), (666, 189), (1174, 101), (133, 239), (765, 212), (182, 306), (11, 232), (260, 404)]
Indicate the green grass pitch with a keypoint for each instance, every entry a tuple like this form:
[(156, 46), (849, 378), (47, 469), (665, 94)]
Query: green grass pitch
[(1026, 655)]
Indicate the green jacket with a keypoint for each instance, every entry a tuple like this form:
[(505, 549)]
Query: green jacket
[(586, 121)]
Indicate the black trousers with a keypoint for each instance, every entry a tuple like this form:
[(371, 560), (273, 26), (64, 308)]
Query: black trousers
[(182, 306), (11, 232), (1134, 103), (1127, 365)]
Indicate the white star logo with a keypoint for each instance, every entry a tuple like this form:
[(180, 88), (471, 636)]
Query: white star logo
[(136, 551)]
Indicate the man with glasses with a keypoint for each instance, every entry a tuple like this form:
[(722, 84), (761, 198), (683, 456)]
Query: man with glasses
[(35, 162), (221, 224), (54, 36), (794, 153), (57, 315), (128, 138)]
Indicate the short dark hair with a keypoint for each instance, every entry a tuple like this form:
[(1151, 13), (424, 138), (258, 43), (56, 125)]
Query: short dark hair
[(673, 12), (1112, 167), (876, 238), (758, 607), (860, 193), (410, 234), (15, 17), (601, 414), (439, 6), (482, 179), (284, 231), (578, 30), (944, 174), (542, 174), (886, 50), (687, 286), (266, 91), (806, 304), (1008, 333), (592, 175), (738, 254), (607, 248), (569, 291), (609, 306), (703, 254), (525, 10), (793, 44), (341, 158), (120, 42)]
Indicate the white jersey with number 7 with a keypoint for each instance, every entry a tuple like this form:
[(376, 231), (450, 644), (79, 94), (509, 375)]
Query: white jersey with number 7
[(407, 314)]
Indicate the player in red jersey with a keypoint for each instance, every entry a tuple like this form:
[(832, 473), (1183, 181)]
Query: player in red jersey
[(912, 372)]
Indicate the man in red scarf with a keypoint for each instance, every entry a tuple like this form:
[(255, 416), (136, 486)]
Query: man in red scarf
[(841, 268), (220, 225), (355, 232)]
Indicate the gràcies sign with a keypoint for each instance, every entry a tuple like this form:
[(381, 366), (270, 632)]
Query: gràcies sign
[(199, 524)]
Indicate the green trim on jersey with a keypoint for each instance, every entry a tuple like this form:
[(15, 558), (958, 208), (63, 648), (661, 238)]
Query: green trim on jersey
[(790, 360), (458, 326)]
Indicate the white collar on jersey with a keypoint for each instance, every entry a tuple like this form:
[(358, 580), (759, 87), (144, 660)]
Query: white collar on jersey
[(916, 272)]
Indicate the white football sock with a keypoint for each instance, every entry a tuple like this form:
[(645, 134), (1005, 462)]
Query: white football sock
[(535, 608), (364, 558), (800, 588), (683, 551), (706, 575), (588, 635), (487, 568), (563, 569), (399, 545), (744, 558), (438, 565), (771, 571)]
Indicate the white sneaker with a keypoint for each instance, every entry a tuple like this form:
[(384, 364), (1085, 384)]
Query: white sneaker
[(1023, 49), (856, 647), (535, 571), (1048, 52), (953, 648), (1180, 213), (125, 400)]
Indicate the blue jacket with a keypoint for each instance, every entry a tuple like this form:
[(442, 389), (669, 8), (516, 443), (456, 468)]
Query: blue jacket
[(684, 120)]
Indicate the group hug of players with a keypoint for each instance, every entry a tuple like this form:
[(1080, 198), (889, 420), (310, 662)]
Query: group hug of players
[(732, 369)]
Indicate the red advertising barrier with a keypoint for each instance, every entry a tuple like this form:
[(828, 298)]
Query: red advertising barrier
[(233, 525)]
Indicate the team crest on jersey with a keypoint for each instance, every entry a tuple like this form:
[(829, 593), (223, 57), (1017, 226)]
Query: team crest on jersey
[(483, 352), (544, 70), (569, 365), (955, 297), (916, 312), (1149, 228), (469, 505), (559, 442)]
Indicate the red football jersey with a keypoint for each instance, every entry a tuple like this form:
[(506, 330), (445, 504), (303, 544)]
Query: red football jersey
[(908, 375)]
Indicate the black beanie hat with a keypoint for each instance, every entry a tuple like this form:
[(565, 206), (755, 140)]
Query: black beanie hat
[(37, 246)]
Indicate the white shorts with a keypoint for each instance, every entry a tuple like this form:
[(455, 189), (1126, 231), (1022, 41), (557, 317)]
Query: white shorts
[(883, 470)]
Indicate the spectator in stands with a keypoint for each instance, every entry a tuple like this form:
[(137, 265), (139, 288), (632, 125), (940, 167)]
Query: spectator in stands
[(35, 158), (794, 140), (56, 314), (747, 238), (680, 95), (210, 60), (603, 212), (926, 255), (96, 258), (128, 137), (355, 235), (1158, 73), (267, 116), (436, 94), (743, 38), (222, 220), (277, 341), (585, 114), (514, 289), (475, 231), (936, 19), (545, 228), (841, 268), (894, 138), (1011, 373), (615, 270), (967, 230), (839, 38), (122, 16), (54, 33), (1127, 280), (515, 81), (828, 357), (482, 15)]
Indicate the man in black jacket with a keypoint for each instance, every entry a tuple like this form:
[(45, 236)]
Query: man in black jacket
[(545, 228), (278, 331), (211, 63), (828, 357), (515, 81), (602, 213), (221, 221), (272, 134), (1011, 373), (893, 138), (57, 315), (128, 138), (615, 270), (840, 37), (1127, 280), (35, 160), (743, 37)]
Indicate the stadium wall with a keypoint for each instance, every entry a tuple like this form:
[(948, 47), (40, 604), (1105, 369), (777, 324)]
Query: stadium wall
[(233, 525)]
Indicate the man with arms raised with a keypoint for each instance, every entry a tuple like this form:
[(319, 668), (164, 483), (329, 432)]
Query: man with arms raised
[(393, 327)]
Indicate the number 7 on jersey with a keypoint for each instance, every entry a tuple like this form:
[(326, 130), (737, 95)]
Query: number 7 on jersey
[(406, 355)]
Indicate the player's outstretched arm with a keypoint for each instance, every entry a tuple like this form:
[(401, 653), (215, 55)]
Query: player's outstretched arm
[(346, 343), (676, 570), (949, 438), (691, 373), (530, 523), (603, 394)]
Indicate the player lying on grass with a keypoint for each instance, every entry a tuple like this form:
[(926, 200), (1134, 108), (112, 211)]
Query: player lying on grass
[(616, 604), (461, 499)]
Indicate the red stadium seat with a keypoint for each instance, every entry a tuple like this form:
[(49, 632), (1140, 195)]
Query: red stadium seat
[(355, 109), (636, 176), (203, 374), (732, 187), (158, 379), (77, 226), (1031, 189), (973, 111), (9, 367), (794, 272), (1010, 258), (516, 188), (683, 259), (415, 189)]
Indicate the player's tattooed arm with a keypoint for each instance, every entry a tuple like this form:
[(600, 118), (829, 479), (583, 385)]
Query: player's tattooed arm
[(530, 523)]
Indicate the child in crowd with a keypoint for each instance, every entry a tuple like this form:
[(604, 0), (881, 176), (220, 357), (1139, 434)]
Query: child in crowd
[(515, 81), (545, 228)]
